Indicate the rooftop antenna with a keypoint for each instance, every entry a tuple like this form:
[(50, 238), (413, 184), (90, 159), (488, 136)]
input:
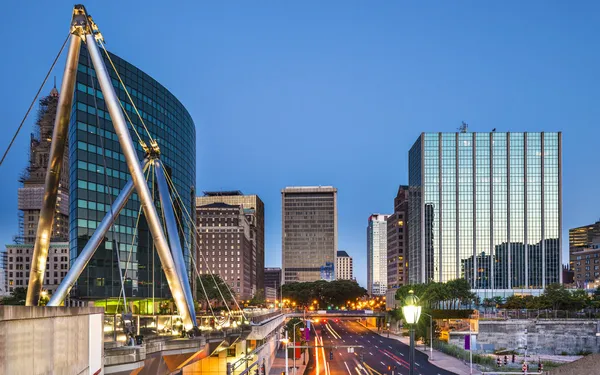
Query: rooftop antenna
[(463, 127)]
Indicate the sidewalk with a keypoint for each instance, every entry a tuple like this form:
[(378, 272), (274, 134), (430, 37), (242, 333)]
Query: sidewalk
[(440, 359), (278, 365)]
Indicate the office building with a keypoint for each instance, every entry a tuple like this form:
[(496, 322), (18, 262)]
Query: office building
[(583, 237), (377, 255), (309, 233), (343, 266), (18, 260), (3, 273), (225, 247), (271, 294), (31, 192), (98, 173), (273, 278), (487, 208), (254, 210), (397, 245), (585, 264)]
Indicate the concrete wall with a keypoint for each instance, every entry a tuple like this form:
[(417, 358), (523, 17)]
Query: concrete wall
[(51, 340), (545, 336)]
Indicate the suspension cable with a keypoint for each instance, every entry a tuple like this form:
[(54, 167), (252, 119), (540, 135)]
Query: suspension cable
[(107, 186), (205, 260), (126, 91), (180, 223), (34, 99), (134, 237), (169, 180), (193, 261)]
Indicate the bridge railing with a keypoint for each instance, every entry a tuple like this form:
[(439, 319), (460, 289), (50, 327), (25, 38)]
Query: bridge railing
[(505, 314)]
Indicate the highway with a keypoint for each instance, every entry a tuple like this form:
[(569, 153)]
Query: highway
[(378, 352)]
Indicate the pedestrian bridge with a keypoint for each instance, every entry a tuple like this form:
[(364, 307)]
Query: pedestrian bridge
[(352, 314)]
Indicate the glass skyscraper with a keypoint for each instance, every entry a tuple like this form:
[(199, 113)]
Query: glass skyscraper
[(97, 177), (486, 207)]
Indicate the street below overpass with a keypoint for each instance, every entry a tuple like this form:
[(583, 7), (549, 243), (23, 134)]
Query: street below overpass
[(381, 355)]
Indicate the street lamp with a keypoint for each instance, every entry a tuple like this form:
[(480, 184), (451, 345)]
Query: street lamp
[(411, 311), (294, 329), (430, 336), (286, 341)]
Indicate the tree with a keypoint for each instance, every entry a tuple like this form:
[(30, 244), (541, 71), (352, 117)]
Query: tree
[(514, 302), (556, 296), (258, 299), (327, 293), (580, 300), (17, 297), (213, 287)]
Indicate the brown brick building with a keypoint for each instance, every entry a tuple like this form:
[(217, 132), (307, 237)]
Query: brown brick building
[(225, 246)]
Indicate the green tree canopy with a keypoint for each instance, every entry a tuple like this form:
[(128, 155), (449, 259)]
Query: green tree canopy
[(450, 295), (214, 287), (327, 293), (17, 297)]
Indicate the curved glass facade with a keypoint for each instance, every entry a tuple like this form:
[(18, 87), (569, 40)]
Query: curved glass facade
[(98, 172), (487, 209)]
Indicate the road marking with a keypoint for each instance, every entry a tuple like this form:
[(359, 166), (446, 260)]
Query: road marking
[(390, 347), (382, 363), (370, 353), (377, 346), (417, 364), (403, 356), (368, 341), (347, 368)]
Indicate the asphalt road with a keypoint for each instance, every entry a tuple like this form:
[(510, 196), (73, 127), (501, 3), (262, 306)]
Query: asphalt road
[(378, 352)]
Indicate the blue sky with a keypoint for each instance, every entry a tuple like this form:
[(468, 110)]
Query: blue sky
[(333, 92)]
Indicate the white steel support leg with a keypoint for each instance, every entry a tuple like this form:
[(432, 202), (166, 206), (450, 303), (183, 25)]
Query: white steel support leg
[(135, 169), (90, 248), (57, 151), (174, 242)]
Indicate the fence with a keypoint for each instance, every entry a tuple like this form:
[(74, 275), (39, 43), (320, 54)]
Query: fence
[(505, 314)]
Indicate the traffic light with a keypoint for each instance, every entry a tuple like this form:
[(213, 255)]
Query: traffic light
[(331, 355)]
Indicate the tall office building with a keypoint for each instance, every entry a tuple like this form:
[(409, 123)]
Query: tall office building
[(225, 246), (31, 192), (344, 266), (254, 209), (97, 176), (3, 273), (309, 233), (488, 209), (397, 244), (18, 261), (273, 277), (377, 255), (583, 237), (272, 283), (30, 199)]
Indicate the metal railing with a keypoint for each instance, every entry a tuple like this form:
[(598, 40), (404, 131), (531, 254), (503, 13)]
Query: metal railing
[(505, 314)]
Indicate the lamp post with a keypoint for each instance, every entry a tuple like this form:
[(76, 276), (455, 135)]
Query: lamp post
[(285, 342), (430, 336), (294, 329), (411, 311), (388, 329)]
